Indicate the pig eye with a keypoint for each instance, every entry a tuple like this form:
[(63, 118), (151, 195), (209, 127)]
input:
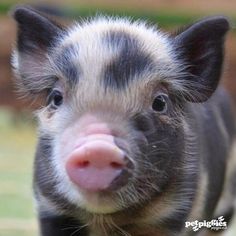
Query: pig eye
[(160, 103), (55, 98)]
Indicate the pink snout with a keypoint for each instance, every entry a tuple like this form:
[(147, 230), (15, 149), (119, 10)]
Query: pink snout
[(95, 164)]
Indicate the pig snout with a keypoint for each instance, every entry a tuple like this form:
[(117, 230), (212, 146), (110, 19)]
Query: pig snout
[(97, 163)]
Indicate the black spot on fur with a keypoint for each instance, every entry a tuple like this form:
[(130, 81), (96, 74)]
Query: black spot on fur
[(165, 155), (131, 62), (64, 62)]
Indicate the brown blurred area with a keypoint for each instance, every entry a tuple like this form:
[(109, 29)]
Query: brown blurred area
[(8, 96)]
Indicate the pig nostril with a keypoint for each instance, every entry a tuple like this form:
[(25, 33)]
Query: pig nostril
[(83, 164), (116, 165)]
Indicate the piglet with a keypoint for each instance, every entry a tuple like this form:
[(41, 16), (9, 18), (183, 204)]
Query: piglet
[(135, 137)]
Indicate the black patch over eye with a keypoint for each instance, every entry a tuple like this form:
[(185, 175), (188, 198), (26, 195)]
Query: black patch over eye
[(160, 103), (55, 98)]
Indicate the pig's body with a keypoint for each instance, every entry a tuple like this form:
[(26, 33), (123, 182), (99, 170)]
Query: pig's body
[(131, 139), (214, 125)]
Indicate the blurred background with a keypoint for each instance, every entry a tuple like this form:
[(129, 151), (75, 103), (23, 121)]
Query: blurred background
[(17, 126)]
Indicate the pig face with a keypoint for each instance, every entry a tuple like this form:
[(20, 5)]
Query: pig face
[(112, 128)]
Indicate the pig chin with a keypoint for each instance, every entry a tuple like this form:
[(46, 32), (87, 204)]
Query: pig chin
[(99, 203)]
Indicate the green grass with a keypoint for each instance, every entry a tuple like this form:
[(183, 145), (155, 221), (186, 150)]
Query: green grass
[(17, 143), (168, 19), (163, 18), (16, 233)]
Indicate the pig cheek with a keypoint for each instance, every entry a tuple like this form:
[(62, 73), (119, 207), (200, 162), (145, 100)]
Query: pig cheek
[(63, 146)]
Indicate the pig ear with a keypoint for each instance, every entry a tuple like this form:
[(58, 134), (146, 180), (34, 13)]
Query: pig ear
[(202, 47), (36, 32)]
